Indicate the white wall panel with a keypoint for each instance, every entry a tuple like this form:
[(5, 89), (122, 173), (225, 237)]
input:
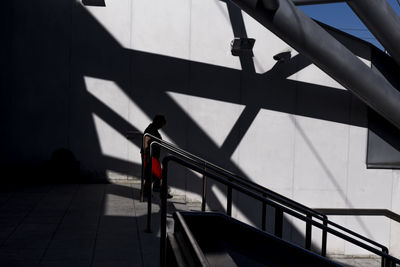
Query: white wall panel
[(320, 162), (314, 75), (367, 188), (373, 227), (216, 118), (211, 34), (394, 246), (161, 27), (266, 152), (112, 143), (115, 17)]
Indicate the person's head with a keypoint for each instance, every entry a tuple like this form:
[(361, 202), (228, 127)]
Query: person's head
[(159, 121)]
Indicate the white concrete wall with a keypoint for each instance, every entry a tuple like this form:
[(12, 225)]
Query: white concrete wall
[(135, 58), (317, 162)]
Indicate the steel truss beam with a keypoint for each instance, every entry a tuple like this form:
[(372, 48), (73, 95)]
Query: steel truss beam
[(307, 37)]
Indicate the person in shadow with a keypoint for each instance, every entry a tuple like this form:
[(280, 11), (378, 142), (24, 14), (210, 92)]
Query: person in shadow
[(159, 121)]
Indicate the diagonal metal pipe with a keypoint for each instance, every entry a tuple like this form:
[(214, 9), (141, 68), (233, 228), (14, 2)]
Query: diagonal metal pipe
[(382, 21), (307, 37), (378, 16), (315, 2)]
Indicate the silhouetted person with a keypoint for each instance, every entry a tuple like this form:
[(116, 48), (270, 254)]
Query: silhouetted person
[(159, 121)]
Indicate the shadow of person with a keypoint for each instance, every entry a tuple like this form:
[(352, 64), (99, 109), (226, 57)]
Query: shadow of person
[(63, 167)]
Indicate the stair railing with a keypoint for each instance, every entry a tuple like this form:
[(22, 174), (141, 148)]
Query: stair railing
[(387, 260), (266, 193), (240, 180), (237, 178)]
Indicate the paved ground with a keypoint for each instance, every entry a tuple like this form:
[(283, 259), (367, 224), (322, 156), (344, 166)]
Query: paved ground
[(83, 225), (76, 225), (358, 262)]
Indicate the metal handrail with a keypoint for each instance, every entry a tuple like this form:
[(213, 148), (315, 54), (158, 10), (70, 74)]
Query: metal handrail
[(387, 259), (277, 197), (206, 164), (182, 153), (240, 179), (186, 155), (149, 201)]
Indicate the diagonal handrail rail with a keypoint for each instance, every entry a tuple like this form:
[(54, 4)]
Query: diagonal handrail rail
[(258, 188), (244, 182), (236, 177), (361, 212), (184, 154), (387, 259)]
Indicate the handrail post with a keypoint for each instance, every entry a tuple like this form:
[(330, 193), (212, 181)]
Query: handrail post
[(204, 197), (264, 215), (142, 174), (308, 233), (229, 201), (386, 262), (149, 202), (324, 237), (149, 185), (163, 225), (142, 179), (278, 222)]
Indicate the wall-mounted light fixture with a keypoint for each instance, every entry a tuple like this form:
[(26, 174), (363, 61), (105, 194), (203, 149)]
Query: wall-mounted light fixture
[(93, 3), (242, 47)]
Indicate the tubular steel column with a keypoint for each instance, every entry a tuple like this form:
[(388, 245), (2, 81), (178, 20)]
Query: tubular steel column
[(308, 38), (382, 21)]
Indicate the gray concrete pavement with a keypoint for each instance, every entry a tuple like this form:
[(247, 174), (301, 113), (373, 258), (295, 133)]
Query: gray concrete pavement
[(76, 225), (85, 225)]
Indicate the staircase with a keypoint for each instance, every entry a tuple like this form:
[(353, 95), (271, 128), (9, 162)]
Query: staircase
[(178, 204), (281, 206)]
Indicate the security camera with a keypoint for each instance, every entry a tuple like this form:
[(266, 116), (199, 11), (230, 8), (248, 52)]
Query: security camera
[(283, 56)]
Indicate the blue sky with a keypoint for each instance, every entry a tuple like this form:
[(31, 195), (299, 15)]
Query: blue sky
[(340, 16)]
